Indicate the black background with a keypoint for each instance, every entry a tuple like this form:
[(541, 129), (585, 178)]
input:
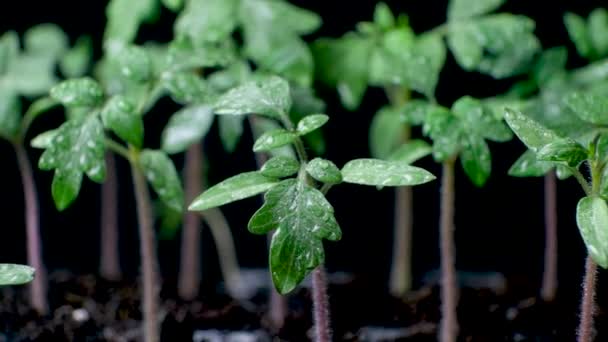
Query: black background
[(499, 227)]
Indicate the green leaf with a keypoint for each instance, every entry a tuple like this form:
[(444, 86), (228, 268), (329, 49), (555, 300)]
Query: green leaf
[(78, 147), (324, 171), (579, 34), (125, 16), (383, 17), (173, 5), (589, 107), (186, 87), (386, 132), (10, 115), (592, 222), (160, 172), (551, 64), (45, 39), (563, 150), (183, 55), (235, 188), (186, 127), (527, 165), (135, 63), (311, 123), (302, 218), (411, 151), (445, 130), (477, 118), (280, 167), (384, 173), (207, 20), (534, 135), (13, 274), (476, 160), (260, 125), (120, 115), (598, 31), (44, 139), (75, 62), (274, 139), (562, 172), (81, 92), (231, 130), (268, 96), (463, 9)]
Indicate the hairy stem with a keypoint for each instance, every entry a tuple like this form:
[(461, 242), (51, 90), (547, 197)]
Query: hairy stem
[(109, 264), (401, 267), (549, 285), (37, 293), (320, 305), (448, 329), (149, 260), (190, 266), (229, 265), (585, 328)]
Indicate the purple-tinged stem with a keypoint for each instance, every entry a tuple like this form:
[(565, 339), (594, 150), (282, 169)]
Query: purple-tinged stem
[(109, 266), (585, 328), (34, 246), (190, 265), (549, 285), (448, 329), (320, 305), (149, 259)]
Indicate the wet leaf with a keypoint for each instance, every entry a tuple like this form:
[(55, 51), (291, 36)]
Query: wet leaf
[(135, 63), (384, 173), (280, 167), (160, 172), (120, 115), (527, 165), (592, 222), (269, 96), (186, 127), (302, 218), (235, 188), (81, 92), (565, 150), (13, 274), (534, 135), (44, 139), (274, 139), (186, 87), (589, 107), (311, 123), (324, 171)]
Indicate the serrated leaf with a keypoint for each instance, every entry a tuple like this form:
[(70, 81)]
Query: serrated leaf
[(207, 20), (235, 188), (463, 9), (411, 151), (384, 173), (311, 123), (577, 30), (124, 18), (13, 274), (45, 39), (589, 107), (598, 31), (476, 160), (75, 62), (120, 115), (231, 130), (268, 96), (160, 172), (592, 222), (534, 135), (280, 167), (386, 132), (564, 150), (135, 63), (81, 92), (527, 165), (274, 139), (186, 127), (302, 218), (324, 171), (44, 139)]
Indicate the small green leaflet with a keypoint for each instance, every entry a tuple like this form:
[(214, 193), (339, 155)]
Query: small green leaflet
[(235, 188), (577, 29), (589, 107), (120, 115), (446, 131), (478, 118), (386, 132), (534, 135), (186, 87), (302, 218), (274, 139), (268, 96), (476, 160), (598, 30), (10, 115), (78, 147), (44, 139), (125, 17), (383, 17), (80, 92), (207, 20), (463, 9), (324, 171), (231, 129), (563, 150), (411, 151), (311, 123), (592, 222), (135, 63), (186, 127), (76, 61), (280, 167), (13, 274), (45, 39), (160, 172), (173, 5), (384, 173), (527, 165)]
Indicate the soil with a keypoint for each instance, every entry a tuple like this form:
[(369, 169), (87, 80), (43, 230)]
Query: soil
[(85, 308)]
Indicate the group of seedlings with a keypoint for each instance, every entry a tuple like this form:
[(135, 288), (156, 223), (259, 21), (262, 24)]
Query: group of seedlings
[(263, 81)]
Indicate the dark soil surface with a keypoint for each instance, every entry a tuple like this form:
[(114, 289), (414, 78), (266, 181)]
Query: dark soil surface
[(85, 308)]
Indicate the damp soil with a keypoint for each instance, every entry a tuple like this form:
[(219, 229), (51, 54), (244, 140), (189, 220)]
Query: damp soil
[(86, 308)]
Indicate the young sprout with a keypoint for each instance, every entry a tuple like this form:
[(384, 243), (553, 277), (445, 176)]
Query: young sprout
[(295, 207)]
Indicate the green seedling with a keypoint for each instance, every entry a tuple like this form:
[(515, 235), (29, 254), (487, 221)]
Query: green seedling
[(30, 73), (295, 207), (13, 274)]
